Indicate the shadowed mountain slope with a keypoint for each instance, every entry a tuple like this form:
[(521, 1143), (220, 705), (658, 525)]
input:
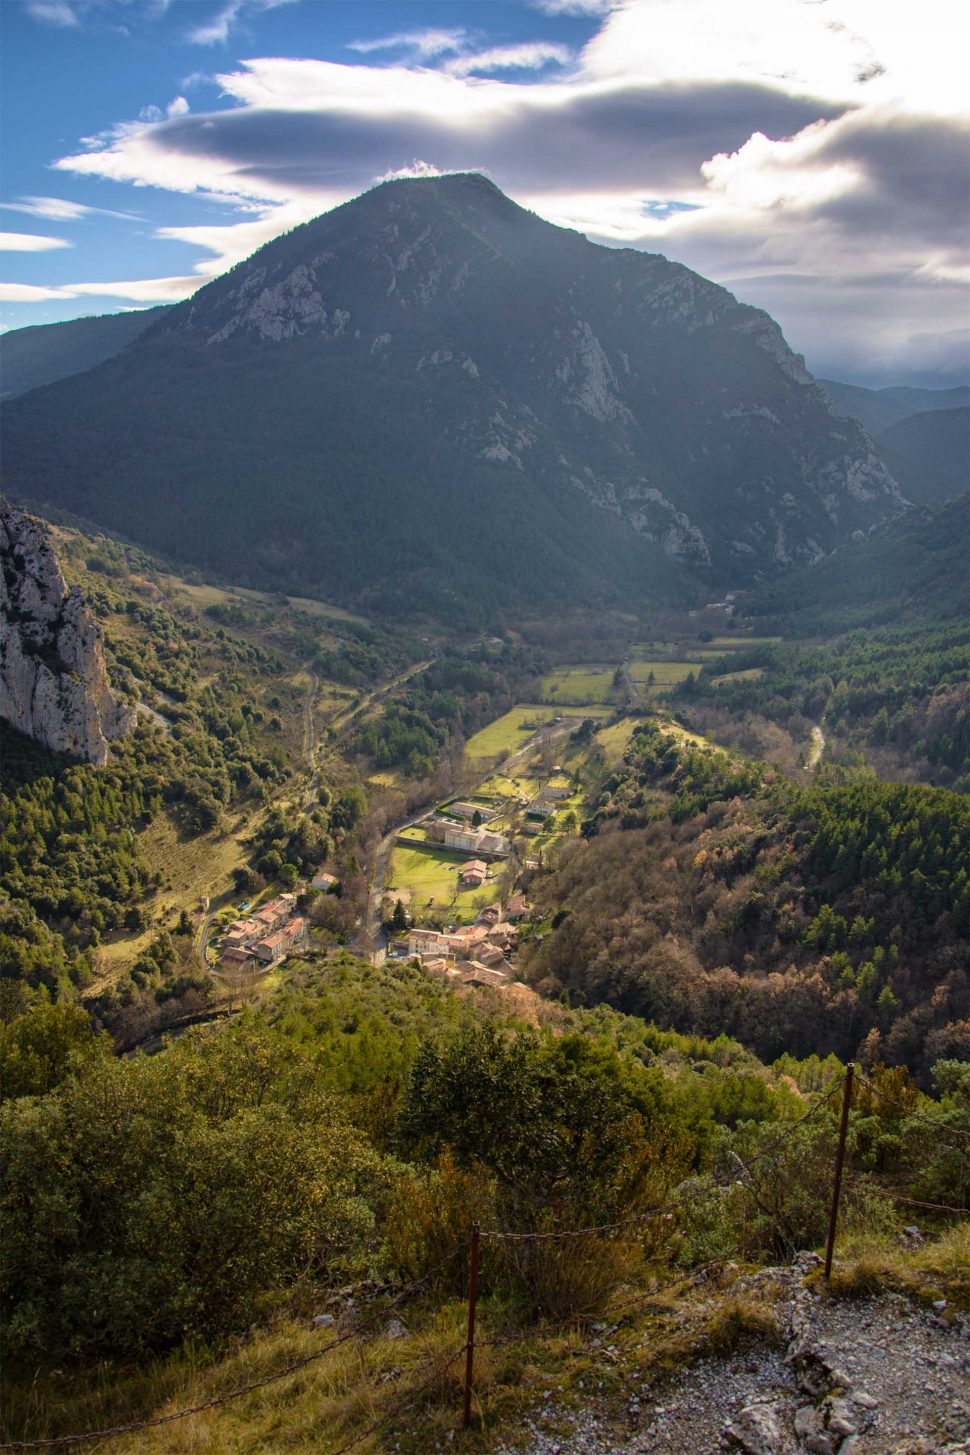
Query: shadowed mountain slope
[(430, 398), (31, 357)]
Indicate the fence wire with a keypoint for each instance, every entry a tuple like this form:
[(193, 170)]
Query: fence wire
[(494, 1236), (54, 1441)]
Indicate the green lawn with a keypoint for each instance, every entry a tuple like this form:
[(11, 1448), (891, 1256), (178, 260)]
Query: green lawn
[(512, 731), (579, 685), (433, 874)]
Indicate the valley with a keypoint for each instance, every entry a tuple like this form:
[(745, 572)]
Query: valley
[(486, 761)]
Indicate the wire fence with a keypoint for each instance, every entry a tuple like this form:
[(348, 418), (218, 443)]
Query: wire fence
[(295, 1365), (502, 1237)]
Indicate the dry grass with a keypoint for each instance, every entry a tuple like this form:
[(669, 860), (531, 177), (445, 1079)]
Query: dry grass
[(403, 1382), (614, 740), (871, 1263)]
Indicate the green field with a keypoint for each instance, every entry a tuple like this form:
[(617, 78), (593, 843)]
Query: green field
[(685, 736), (652, 649), (665, 674), (513, 730), (432, 874), (740, 642), (520, 785), (579, 685)]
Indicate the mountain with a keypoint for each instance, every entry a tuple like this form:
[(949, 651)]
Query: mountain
[(878, 409), (30, 357), (923, 435), (912, 567), (431, 398), (53, 680), (936, 442)]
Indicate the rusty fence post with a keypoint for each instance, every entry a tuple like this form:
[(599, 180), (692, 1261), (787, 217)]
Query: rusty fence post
[(839, 1161), (466, 1418)]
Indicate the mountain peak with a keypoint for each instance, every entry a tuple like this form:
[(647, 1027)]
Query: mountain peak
[(513, 407)]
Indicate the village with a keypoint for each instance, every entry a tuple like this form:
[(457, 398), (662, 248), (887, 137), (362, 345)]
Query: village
[(477, 954), (268, 935)]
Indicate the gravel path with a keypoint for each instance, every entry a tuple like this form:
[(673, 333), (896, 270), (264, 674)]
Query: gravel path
[(875, 1376)]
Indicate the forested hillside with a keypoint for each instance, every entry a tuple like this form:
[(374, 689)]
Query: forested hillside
[(875, 648), (102, 870), (711, 894)]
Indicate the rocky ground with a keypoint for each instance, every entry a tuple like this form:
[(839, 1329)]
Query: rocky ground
[(851, 1376)]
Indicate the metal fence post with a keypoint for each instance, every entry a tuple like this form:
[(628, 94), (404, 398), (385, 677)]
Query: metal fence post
[(839, 1160), (470, 1345)]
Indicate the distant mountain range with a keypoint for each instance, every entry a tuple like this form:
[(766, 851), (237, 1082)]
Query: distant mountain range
[(30, 357), (923, 434), (430, 398), (911, 568)]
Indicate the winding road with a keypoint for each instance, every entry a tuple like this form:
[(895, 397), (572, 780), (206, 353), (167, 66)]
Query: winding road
[(310, 738)]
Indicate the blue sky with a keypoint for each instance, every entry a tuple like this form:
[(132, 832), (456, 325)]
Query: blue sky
[(810, 154)]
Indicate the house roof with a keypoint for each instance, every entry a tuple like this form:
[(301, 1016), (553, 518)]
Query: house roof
[(236, 956), (273, 942)]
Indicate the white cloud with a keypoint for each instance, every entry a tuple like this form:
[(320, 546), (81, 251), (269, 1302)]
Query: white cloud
[(29, 293), (141, 290), (529, 56), (30, 242), (61, 210), (422, 44), (416, 168), (216, 30), (53, 12), (575, 7), (178, 107), (788, 43)]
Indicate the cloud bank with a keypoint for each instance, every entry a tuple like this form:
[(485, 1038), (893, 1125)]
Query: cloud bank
[(810, 155)]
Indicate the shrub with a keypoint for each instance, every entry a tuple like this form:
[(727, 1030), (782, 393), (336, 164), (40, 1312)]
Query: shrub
[(150, 1198)]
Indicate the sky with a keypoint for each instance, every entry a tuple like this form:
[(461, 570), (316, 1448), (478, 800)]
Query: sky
[(810, 155)]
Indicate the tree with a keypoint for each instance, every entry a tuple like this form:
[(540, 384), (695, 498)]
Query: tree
[(399, 919), (152, 1197), (550, 1119), (39, 1048)]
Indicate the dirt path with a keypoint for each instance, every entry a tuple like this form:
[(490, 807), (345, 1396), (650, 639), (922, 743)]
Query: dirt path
[(816, 750), (874, 1376)]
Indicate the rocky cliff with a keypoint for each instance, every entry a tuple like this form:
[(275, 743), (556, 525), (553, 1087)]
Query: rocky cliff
[(53, 681)]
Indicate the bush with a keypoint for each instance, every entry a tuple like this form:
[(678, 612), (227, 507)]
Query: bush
[(147, 1199)]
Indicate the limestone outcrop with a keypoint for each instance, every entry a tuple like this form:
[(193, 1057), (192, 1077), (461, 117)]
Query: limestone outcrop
[(53, 681)]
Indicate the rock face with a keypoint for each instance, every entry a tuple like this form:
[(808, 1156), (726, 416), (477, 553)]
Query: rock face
[(53, 681), (436, 372)]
